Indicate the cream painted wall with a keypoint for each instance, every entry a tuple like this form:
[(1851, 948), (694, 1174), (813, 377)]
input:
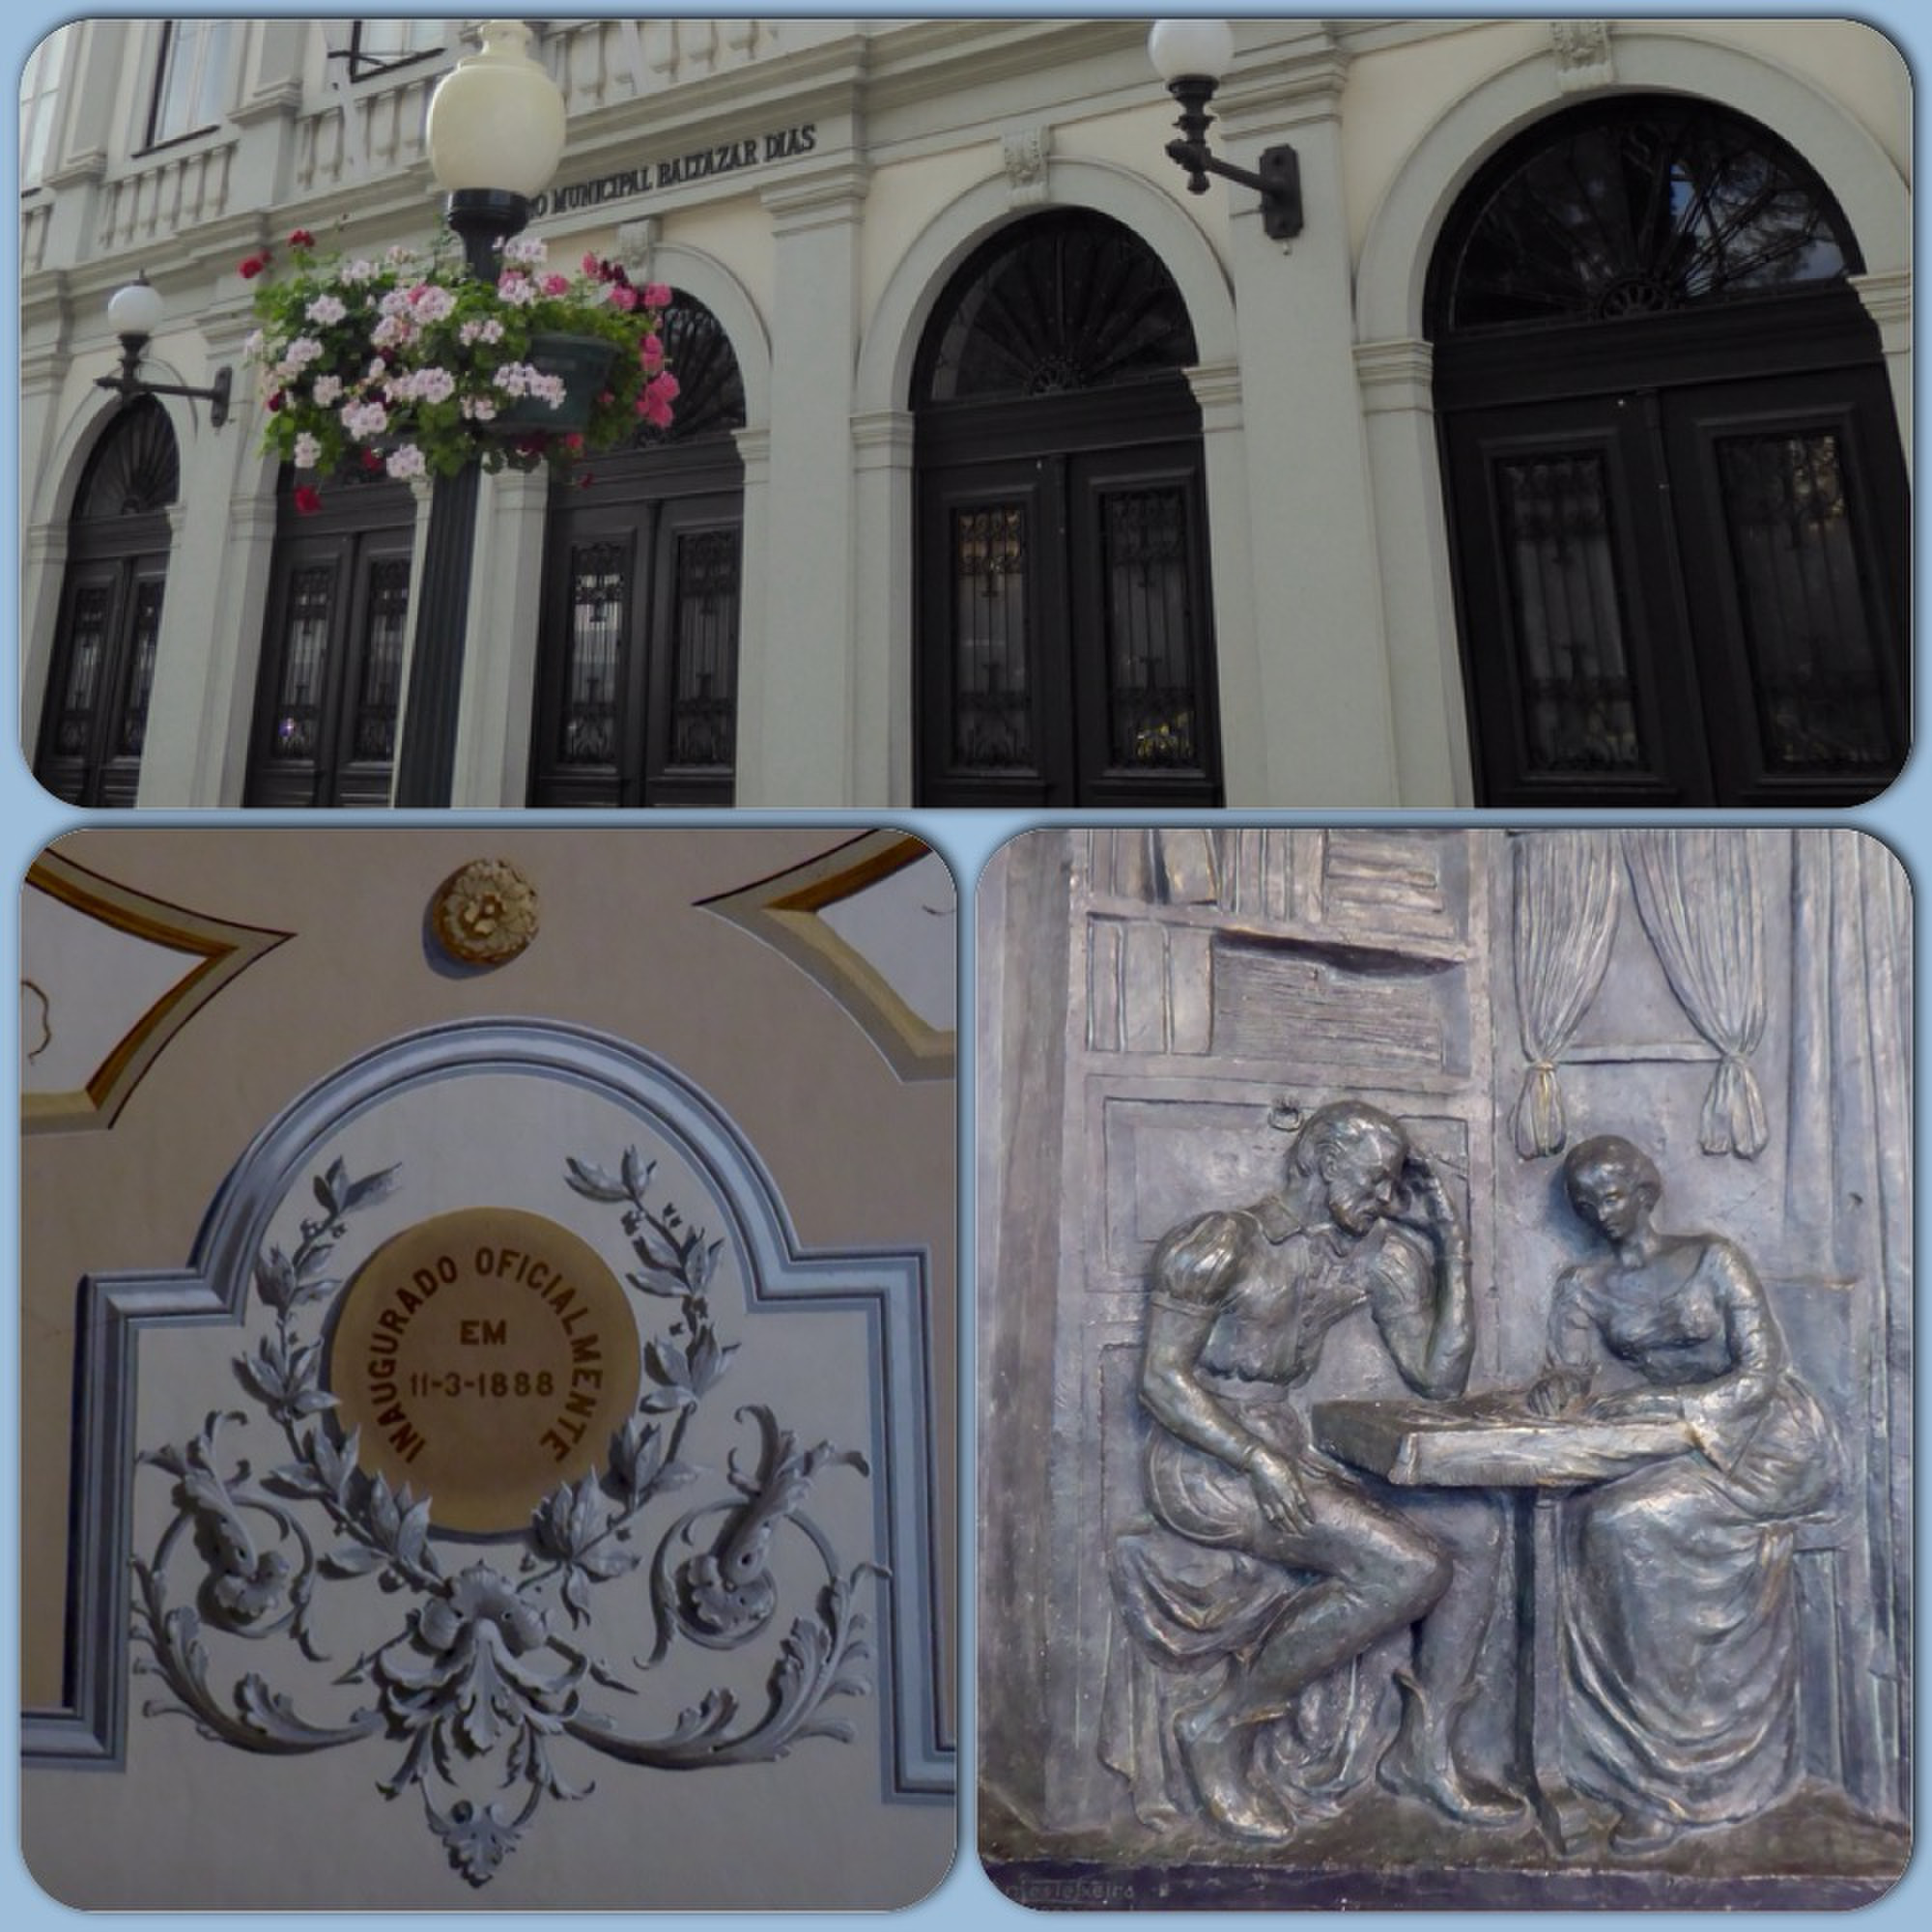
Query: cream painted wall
[(859, 1157)]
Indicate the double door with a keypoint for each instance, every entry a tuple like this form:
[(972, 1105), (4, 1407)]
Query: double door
[(1685, 592), (331, 686), (638, 679), (1065, 653), (95, 720)]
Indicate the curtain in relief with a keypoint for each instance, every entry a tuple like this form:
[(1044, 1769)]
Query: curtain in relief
[(1567, 895), (1698, 896)]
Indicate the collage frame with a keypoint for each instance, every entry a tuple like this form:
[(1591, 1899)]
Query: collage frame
[(968, 841)]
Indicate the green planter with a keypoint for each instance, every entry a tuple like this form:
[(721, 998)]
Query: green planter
[(584, 361)]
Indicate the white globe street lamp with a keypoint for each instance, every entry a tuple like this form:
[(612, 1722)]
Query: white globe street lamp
[(133, 314), (1191, 56)]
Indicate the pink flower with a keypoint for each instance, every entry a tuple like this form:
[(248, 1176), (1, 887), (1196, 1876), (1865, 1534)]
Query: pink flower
[(623, 296), (651, 354), (655, 295), (592, 265), (556, 285)]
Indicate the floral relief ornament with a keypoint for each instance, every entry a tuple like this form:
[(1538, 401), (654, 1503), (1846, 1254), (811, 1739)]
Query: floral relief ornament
[(486, 1669), (407, 365), (485, 913)]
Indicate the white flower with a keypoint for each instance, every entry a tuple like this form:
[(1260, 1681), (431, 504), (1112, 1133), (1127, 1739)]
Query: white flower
[(406, 461), (364, 419), (431, 302), (529, 249), (308, 451), (355, 274), (326, 391), (479, 408), (518, 290), (325, 309), (299, 354)]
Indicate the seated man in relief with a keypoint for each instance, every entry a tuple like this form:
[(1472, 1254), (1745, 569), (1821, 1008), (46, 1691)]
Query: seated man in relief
[(1238, 1305)]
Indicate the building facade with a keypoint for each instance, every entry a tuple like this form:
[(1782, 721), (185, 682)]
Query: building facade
[(1560, 457)]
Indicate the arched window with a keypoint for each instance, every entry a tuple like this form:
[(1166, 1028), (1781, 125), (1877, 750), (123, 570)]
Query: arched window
[(1673, 470), (327, 701), (95, 720), (636, 700), (1064, 652)]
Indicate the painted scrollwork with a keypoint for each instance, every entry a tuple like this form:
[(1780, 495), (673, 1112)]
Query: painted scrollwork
[(484, 1668)]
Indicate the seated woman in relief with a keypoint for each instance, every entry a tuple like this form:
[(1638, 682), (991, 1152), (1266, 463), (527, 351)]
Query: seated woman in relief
[(1679, 1625)]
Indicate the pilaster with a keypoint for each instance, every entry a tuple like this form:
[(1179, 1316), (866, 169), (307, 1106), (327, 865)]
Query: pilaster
[(801, 683), (1324, 671), (1888, 301), (882, 676), (1432, 736)]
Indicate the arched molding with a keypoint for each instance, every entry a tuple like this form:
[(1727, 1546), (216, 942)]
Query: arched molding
[(45, 521), (905, 305), (882, 397), (1392, 276), (1402, 235)]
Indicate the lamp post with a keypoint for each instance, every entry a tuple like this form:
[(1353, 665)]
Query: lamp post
[(495, 134), (135, 313), (1191, 56)]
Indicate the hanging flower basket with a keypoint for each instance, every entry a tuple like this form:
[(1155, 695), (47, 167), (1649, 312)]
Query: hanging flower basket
[(409, 364), (584, 361)]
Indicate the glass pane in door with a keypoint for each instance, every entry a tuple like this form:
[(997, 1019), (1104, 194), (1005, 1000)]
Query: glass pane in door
[(1577, 700), (704, 647), (133, 724), (1802, 602), (304, 658), (992, 727), (386, 619), (599, 609), (1148, 632), (86, 649)]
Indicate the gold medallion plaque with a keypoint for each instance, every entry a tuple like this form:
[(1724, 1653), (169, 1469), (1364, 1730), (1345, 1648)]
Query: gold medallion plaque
[(486, 1357)]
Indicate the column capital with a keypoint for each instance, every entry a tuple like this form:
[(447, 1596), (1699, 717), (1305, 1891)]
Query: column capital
[(1397, 375), (883, 437), (825, 198)]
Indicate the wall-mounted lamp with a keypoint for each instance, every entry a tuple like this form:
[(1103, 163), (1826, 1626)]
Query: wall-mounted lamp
[(1191, 56), (135, 313)]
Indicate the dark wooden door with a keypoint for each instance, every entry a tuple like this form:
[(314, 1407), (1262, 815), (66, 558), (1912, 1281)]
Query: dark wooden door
[(1676, 489), (328, 701), (94, 719), (1065, 643), (638, 665), (97, 711), (1685, 594)]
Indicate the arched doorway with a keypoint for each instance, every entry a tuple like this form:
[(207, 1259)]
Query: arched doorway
[(1676, 491), (636, 700), (1064, 652), (326, 705), (95, 721)]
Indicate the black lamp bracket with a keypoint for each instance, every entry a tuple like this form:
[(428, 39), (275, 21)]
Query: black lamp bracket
[(484, 218), (127, 383), (1278, 181)]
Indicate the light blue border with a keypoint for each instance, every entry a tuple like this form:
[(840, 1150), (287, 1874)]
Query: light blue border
[(964, 1901)]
